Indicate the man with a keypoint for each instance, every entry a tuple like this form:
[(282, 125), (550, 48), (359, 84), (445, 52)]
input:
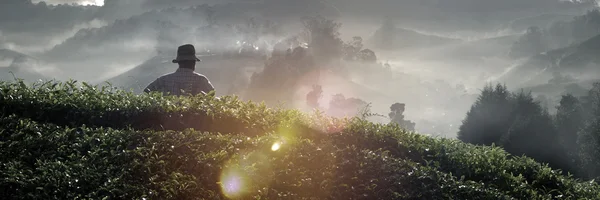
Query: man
[(184, 80)]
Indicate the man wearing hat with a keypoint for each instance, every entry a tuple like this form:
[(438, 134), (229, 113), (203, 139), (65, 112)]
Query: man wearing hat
[(184, 80)]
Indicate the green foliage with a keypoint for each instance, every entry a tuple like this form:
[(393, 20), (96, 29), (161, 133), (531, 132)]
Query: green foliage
[(65, 141), (107, 107)]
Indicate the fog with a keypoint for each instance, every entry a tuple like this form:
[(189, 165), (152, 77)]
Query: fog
[(434, 56)]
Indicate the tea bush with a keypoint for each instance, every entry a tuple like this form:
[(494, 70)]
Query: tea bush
[(70, 141), (70, 103)]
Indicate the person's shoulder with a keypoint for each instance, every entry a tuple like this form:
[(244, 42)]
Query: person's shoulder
[(199, 75)]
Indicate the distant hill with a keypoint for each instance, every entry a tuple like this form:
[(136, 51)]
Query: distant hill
[(580, 61), (15, 64), (577, 88), (86, 42), (409, 39), (7, 54), (562, 33), (472, 50), (542, 21)]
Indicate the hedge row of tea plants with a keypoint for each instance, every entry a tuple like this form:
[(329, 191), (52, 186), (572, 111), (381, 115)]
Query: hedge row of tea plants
[(68, 140), (45, 161), (79, 103)]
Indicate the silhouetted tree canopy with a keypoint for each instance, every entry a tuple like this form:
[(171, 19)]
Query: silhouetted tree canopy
[(323, 38), (589, 137), (489, 117), (313, 97), (569, 120), (397, 116), (340, 106), (516, 122)]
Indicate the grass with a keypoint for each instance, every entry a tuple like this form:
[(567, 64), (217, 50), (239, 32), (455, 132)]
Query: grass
[(76, 141)]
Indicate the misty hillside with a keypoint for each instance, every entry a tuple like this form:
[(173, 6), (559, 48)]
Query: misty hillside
[(25, 16), (579, 61), (556, 89), (79, 46), (543, 21), (12, 56), (97, 53), (402, 39), (476, 15), (18, 65), (470, 50), (130, 42), (33, 28)]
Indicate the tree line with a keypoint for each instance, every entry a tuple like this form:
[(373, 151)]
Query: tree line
[(568, 140)]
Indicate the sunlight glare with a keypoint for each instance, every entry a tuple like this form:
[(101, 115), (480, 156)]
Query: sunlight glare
[(275, 146)]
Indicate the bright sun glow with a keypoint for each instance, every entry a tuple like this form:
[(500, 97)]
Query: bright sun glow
[(275, 146), (93, 2), (99, 2)]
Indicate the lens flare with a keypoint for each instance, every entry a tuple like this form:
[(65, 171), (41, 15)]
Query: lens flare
[(232, 184), (275, 146)]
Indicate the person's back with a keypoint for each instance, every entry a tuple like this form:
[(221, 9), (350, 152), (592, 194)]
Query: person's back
[(184, 81)]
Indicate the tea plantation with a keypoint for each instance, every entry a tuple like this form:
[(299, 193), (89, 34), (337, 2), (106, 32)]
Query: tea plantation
[(66, 140)]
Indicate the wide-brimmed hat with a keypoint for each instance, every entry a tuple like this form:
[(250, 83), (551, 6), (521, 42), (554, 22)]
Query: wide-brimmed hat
[(186, 52)]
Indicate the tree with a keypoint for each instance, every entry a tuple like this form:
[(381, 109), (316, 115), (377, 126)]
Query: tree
[(280, 77), (367, 55), (569, 121), (323, 37), (397, 116), (589, 137), (575, 90), (313, 97), (532, 133), (489, 117), (353, 51), (352, 48), (517, 123), (340, 106)]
